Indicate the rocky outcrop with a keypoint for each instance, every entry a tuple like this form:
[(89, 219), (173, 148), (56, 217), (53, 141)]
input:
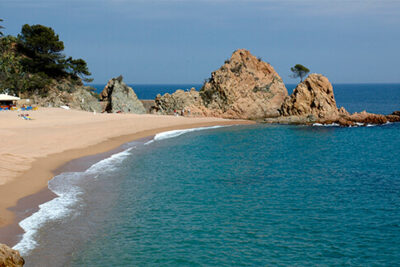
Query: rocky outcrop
[(245, 87), (367, 118), (178, 101), (68, 93), (313, 97), (248, 88), (119, 97), (10, 257), (313, 101), (394, 117)]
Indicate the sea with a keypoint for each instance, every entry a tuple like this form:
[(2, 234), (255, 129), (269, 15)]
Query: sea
[(245, 195)]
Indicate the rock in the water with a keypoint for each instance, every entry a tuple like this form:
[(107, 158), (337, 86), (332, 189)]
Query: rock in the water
[(244, 87), (10, 257), (394, 117), (314, 96), (121, 98), (368, 118)]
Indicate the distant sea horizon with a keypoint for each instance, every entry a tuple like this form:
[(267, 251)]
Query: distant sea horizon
[(383, 98)]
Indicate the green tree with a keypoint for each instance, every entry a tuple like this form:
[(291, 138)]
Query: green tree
[(1, 27), (299, 71), (42, 49), (78, 68)]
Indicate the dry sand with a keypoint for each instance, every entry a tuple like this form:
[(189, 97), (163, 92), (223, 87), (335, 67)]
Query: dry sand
[(31, 150)]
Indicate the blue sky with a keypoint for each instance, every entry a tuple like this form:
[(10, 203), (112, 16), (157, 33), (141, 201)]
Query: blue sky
[(183, 41)]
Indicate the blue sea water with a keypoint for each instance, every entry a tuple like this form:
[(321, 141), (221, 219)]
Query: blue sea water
[(257, 195)]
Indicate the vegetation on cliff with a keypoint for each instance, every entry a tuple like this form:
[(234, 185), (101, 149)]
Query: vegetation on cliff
[(33, 61)]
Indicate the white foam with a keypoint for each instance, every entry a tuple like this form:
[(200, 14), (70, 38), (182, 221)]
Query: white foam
[(175, 133), (326, 125), (148, 142), (68, 194)]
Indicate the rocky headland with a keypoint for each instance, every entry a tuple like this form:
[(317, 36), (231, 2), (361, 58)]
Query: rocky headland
[(10, 257), (245, 87)]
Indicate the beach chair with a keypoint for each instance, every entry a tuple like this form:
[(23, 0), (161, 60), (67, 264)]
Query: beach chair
[(29, 108), (36, 108)]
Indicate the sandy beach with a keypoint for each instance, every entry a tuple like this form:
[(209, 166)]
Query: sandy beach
[(33, 150)]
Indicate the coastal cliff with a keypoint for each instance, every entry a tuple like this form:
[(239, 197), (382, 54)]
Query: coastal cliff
[(244, 87), (10, 257)]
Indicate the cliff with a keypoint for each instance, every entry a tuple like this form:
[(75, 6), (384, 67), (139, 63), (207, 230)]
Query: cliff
[(243, 88)]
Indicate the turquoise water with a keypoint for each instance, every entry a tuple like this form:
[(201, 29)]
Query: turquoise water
[(255, 196)]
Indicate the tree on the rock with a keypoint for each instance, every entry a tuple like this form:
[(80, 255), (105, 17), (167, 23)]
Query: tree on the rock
[(299, 71), (1, 27)]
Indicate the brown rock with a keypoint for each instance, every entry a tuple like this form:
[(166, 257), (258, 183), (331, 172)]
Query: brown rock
[(396, 113), (368, 118), (10, 257), (393, 118), (244, 87), (180, 100), (313, 96)]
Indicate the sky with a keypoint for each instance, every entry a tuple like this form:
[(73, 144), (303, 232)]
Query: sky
[(183, 41)]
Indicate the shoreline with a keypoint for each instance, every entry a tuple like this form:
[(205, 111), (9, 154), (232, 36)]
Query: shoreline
[(45, 168)]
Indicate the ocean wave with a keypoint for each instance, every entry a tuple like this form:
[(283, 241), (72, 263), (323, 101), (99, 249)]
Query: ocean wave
[(66, 187), (326, 125), (175, 133)]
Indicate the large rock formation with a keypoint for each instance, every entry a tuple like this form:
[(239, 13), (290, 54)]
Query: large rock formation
[(119, 97), (313, 101), (243, 88), (68, 93), (10, 257), (312, 97)]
